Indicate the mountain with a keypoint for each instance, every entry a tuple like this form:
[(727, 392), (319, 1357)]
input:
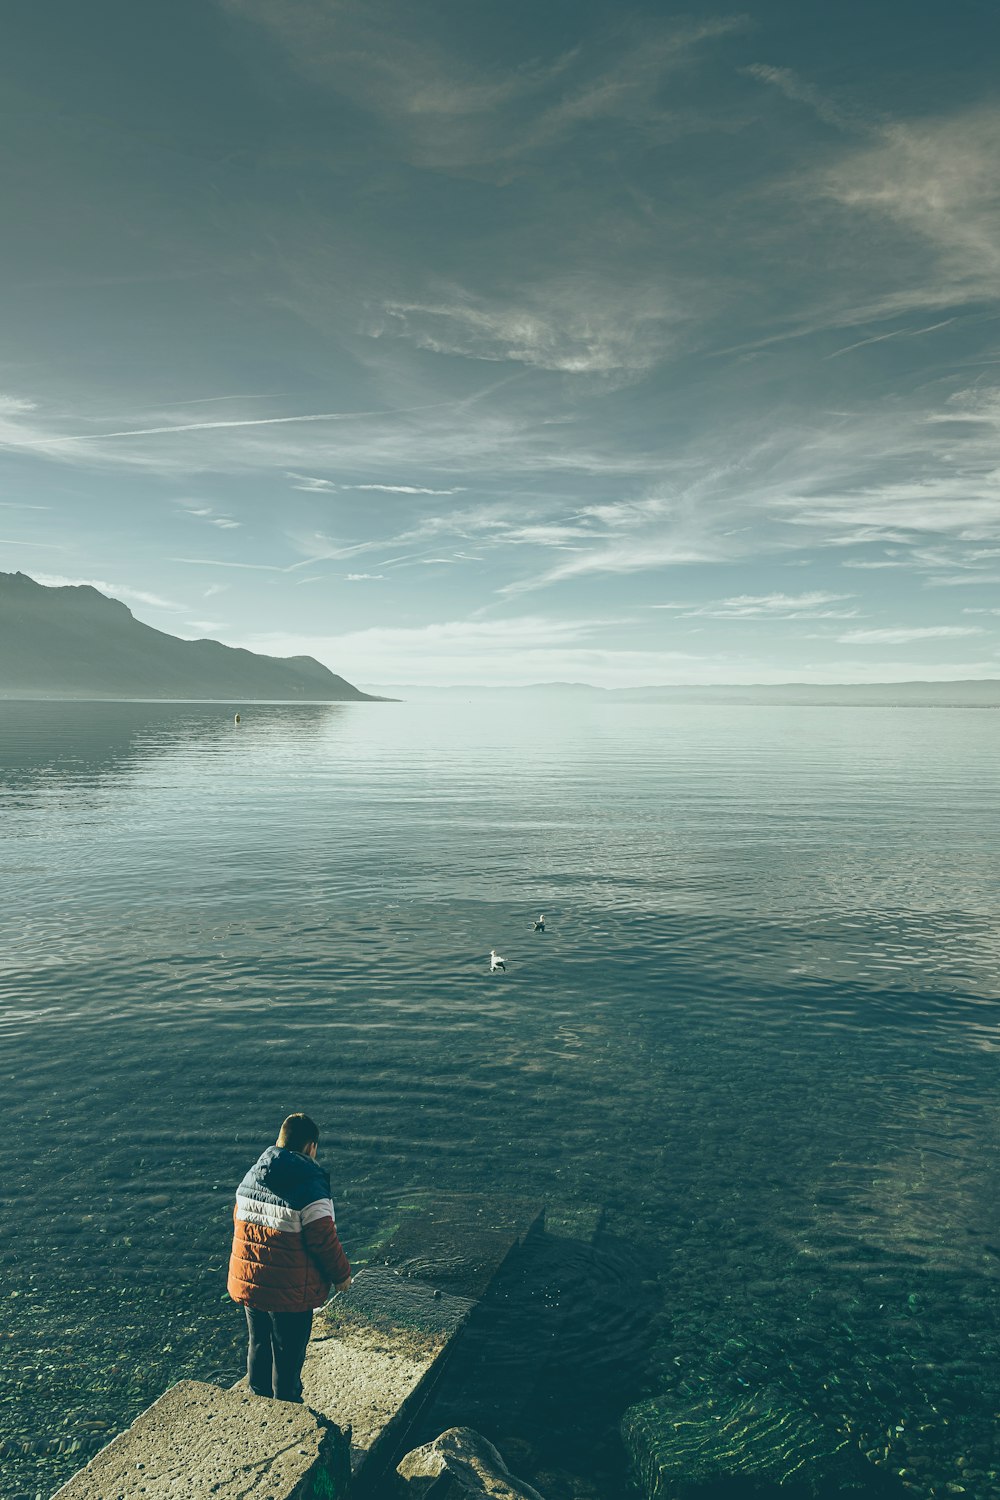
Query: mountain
[(77, 643), (460, 690), (968, 693)]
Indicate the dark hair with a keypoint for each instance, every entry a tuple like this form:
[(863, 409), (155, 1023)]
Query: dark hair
[(297, 1132)]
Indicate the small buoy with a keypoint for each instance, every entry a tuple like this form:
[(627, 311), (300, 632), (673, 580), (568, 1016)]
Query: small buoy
[(496, 962), (539, 926), (236, 720)]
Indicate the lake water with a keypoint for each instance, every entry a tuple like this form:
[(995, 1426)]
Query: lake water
[(760, 1028)]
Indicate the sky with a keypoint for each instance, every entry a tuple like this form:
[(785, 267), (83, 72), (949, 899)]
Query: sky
[(507, 343)]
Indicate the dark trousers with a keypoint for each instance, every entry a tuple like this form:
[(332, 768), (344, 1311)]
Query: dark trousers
[(277, 1350)]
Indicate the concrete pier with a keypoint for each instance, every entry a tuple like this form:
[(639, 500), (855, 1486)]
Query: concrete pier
[(370, 1361), (377, 1350), (198, 1442), (374, 1357)]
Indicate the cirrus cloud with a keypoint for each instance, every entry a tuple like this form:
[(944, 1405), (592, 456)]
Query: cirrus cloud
[(902, 635)]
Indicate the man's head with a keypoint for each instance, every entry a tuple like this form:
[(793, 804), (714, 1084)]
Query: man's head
[(299, 1133)]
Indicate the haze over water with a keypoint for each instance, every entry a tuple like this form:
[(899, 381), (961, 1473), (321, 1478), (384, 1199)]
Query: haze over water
[(761, 1028)]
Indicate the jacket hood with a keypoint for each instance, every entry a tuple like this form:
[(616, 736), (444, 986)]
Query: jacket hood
[(290, 1175)]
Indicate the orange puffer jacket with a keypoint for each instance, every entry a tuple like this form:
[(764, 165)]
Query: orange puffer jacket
[(286, 1252)]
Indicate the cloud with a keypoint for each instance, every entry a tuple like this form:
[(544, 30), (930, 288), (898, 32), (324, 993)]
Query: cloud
[(216, 562), (525, 648), (724, 494), (493, 527), (121, 591), (238, 396), (977, 406), (545, 534), (576, 325), (523, 231), (640, 555), (207, 514), (655, 531), (538, 648), (628, 515), (313, 486), (581, 288), (799, 91), (936, 179), (579, 501), (187, 447), (808, 606), (903, 219), (963, 580), (902, 472), (403, 489), (446, 435), (901, 635), (443, 109), (13, 541)]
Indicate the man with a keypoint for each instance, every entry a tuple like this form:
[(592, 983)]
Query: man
[(285, 1255)]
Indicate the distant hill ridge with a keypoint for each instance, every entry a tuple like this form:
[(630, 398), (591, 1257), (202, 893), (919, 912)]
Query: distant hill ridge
[(75, 642), (967, 693), (972, 692)]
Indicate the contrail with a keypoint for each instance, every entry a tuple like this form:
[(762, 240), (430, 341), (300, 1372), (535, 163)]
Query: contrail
[(325, 416), (880, 338), (241, 396)]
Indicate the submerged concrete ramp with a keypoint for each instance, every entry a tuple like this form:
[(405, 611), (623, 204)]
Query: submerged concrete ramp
[(377, 1351), (198, 1442), (371, 1359)]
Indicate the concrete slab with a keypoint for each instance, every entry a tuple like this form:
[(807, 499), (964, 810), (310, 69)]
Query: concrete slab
[(377, 1350), (199, 1442), (460, 1241), (372, 1351), (516, 1346), (384, 1298), (582, 1222)]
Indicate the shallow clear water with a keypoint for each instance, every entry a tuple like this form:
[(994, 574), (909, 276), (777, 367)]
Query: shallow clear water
[(761, 1027)]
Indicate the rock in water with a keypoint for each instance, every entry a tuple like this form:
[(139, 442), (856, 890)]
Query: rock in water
[(460, 1463), (762, 1445)]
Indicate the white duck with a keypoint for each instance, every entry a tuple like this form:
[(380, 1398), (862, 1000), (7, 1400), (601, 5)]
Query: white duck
[(539, 926), (496, 962)]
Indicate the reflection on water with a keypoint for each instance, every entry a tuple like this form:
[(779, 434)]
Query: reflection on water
[(760, 1028)]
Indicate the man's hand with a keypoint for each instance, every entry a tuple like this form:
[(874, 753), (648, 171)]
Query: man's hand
[(344, 1286)]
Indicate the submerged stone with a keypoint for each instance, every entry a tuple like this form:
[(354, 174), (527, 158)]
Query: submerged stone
[(758, 1446), (461, 1462)]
